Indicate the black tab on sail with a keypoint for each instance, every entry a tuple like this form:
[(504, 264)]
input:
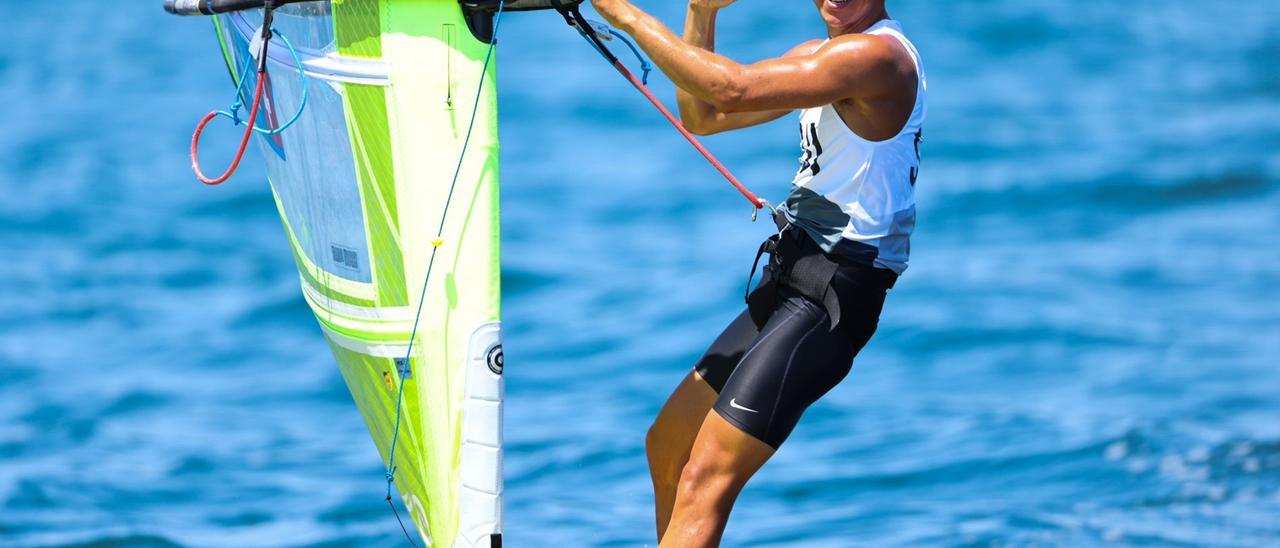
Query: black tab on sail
[(479, 13)]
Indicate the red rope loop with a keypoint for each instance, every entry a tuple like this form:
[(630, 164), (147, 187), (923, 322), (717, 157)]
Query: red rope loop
[(244, 142)]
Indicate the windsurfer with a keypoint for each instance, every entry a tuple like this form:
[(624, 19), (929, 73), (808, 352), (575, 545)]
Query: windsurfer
[(843, 240)]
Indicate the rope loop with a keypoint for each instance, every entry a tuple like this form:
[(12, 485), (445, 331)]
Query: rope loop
[(645, 66), (304, 81), (263, 78)]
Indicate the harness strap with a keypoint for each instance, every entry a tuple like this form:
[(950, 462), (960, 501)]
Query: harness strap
[(798, 263), (803, 266), (768, 246)]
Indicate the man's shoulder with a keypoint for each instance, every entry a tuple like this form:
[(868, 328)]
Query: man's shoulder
[(884, 55), (866, 45), (805, 48)]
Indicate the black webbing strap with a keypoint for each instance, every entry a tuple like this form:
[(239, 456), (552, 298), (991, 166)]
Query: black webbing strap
[(762, 300), (805, 268), (797, 262), (768, 246), (765, 297)]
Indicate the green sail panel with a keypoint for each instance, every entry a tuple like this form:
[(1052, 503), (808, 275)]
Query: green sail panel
[(361, 182)]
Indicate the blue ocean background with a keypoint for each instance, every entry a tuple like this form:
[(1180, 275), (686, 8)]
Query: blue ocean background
[(1085, 350)]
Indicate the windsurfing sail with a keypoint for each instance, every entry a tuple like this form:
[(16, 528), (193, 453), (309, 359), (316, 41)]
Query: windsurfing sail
[(367, 192)]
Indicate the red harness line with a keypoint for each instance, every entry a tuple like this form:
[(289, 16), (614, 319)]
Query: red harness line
[(244, 142), (755, 201)]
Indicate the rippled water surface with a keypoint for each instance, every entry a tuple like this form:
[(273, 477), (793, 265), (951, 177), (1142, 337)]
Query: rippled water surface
[(1086, 349)]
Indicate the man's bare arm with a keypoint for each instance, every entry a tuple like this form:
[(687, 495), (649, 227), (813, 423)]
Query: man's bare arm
[(698, 115), (854, 66)]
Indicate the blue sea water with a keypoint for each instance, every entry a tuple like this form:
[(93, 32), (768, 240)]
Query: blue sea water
[(1085, 350)]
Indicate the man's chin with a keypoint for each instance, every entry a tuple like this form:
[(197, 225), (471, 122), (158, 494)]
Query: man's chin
[(836, 17), (832, 20)]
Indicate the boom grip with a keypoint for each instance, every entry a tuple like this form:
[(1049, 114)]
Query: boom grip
[(530, 5), (214, 7), (517, 5), (479, 13)]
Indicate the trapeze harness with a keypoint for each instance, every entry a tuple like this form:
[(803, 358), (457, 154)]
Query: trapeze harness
[(842, 241)]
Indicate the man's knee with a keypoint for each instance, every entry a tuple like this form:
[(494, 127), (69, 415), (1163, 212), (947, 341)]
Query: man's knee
[(707, 476), (665, 461), (654, 441)]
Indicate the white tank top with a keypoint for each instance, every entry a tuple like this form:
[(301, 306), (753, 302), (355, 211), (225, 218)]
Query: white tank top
[(856, 197)]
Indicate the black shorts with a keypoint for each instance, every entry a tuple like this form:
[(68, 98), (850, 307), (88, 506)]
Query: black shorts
[(767, 377)]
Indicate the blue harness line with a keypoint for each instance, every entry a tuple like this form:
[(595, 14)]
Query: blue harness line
[(233, 113), (645, 66)]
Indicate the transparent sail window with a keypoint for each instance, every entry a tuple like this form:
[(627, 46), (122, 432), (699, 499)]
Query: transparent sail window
[(310, 164)]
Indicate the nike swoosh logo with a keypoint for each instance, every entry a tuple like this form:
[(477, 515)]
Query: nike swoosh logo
[(733, 402)]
